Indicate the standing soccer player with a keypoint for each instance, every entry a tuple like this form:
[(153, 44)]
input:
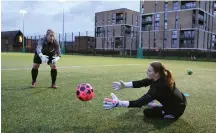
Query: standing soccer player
[(47, 51)]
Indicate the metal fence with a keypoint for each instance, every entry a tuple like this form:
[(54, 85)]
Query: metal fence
[(85, 43), (74, 44)]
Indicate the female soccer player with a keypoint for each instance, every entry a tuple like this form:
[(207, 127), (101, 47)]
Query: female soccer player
[(47, 51), (162, 89)]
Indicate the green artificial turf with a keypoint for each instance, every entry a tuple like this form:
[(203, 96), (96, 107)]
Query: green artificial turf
[(43, 109)]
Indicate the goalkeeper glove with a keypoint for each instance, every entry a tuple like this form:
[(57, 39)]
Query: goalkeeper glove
[(120, 85), (44, 58), (55, 59), (114, 102)]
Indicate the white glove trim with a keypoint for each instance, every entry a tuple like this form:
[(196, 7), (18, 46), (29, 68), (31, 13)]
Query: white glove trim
[(40, 54), (128, 84), (123, 104)]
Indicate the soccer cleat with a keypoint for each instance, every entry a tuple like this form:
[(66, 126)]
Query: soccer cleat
[(54, 86), (33, 84)]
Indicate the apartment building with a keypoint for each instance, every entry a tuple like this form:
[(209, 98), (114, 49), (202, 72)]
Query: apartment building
[(83, 43), (117, 29), (179, 24)]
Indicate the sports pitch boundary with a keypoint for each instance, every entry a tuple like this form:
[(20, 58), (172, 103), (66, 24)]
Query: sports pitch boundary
[(82, 66)]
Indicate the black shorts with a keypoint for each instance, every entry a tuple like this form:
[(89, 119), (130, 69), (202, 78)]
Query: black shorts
[(37, 59)]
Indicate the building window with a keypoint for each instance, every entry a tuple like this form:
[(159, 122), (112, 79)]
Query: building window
[(189, 34), (113, 16), (174, 34), (20, 39), (6, 41), (157, 22), (166, 6), (214, 37), (165, 34), (118, 42), (148, 19), (165, 42), (147, 27), (112, 44), (188, 44), (157, 25), (165, 25), (157, 17), (108, 19), (136, 20), (174, 43), (175, 5), (188, 4), (113, 21), (122, 30), (142, 8), (108, 31), (132, 31), (165, 16)]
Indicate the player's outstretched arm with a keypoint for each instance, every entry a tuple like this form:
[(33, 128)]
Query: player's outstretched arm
[(121, 84), (115, 102), (142, 83), (144, 100), (134, 84)]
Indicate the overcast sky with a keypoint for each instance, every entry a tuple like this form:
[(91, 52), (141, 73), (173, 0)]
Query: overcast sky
[(79, 14)]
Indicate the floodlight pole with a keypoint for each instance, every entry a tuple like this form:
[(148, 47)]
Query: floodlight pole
[(23, 12), (63, 34)]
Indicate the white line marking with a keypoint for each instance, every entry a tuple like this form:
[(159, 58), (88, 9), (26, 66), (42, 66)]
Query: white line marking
[(17, 69), (62, 67)]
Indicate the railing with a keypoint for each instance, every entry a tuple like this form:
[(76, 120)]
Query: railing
[(79, 43)]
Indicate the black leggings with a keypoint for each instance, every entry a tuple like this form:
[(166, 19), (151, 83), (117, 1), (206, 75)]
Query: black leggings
[(154, 112), (157, 112)]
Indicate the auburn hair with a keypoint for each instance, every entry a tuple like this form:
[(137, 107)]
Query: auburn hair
[(164, 73), (49, 31)]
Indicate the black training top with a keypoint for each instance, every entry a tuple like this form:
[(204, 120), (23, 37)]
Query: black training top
[(160, 91), (46, 48)]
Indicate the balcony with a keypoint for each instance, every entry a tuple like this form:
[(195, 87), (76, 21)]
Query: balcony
[(119, 18), (99, 30), (147, 18), (127, 31), (146, 22), (147, 28), (188, 37)]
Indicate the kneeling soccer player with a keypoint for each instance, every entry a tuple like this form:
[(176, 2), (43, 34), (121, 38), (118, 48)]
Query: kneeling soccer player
[(162, 89), (48, 52)]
